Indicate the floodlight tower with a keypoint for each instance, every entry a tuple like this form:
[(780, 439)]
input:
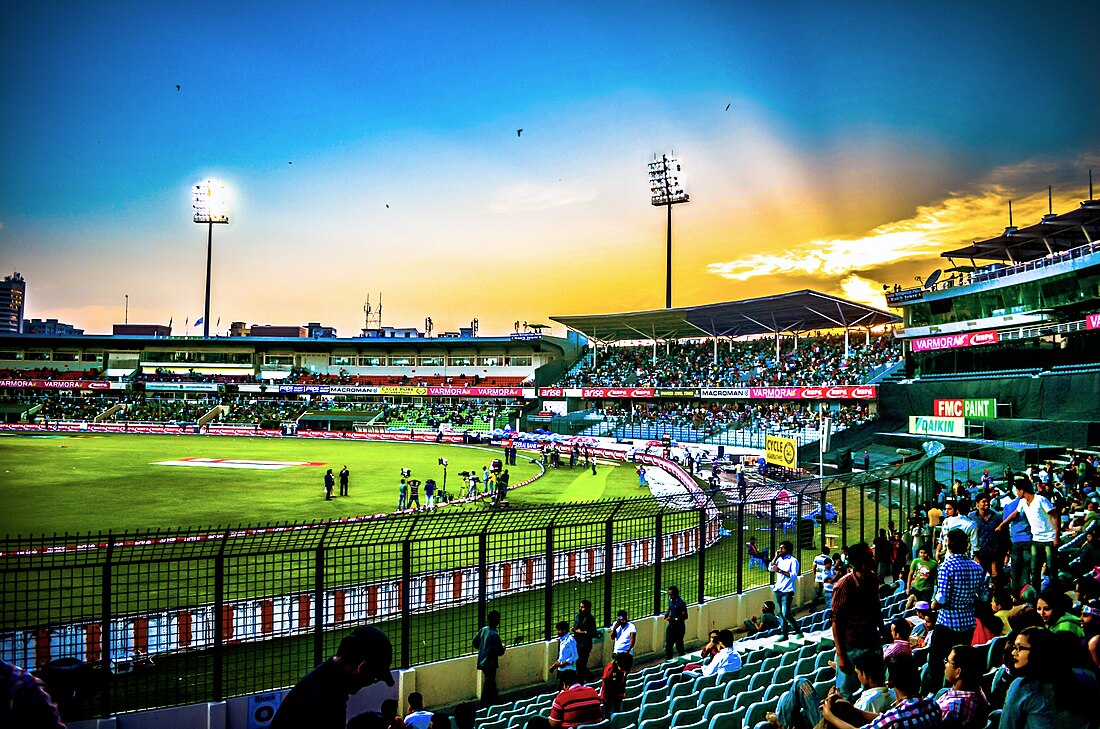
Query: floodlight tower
[(665, 189), (209, 205)]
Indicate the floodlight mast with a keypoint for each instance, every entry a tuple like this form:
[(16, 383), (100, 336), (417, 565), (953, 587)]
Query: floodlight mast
[(665, 189), (208, 204)]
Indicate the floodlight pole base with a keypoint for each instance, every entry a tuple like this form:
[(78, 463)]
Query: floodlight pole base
[(209, 253), (668, 260)]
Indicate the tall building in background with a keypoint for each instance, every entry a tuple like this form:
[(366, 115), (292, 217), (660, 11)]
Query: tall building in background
[(13, 292)]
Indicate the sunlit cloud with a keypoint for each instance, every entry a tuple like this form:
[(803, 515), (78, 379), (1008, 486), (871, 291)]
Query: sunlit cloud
[(529, 196), (958, 219)]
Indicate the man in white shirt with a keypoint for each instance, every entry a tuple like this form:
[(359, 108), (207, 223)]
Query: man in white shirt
[(786, 568), (726, 659), (954, 520), (417, 717), (624, 634), (1045, 525)]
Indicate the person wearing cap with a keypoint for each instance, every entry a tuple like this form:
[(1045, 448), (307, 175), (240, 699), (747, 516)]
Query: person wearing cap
[(1045, 526), (320, 699)]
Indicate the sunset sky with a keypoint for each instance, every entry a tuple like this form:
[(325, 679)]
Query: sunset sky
[(861, 140)]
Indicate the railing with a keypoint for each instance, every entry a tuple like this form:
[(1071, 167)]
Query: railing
[(183, 616), (983, 276)]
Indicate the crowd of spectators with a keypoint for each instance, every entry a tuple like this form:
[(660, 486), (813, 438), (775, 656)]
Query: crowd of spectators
[(460, 416), (817, 361), (45, 373), (164, 410), (253, 411), (58, 406), (162, 375), (712, 418), (300, 376)]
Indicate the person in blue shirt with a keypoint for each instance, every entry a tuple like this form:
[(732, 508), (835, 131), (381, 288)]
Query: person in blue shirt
[(567, 651)]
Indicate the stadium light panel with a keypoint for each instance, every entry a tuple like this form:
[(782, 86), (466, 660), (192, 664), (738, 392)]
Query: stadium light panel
[(210, 202)]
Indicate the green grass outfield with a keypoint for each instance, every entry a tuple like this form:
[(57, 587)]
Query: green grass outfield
[(82, 483)]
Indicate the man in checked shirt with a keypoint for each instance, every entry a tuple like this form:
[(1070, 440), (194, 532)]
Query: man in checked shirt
[(959, 585)]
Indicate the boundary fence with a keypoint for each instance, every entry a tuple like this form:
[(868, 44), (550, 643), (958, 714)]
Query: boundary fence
[(123, 622)]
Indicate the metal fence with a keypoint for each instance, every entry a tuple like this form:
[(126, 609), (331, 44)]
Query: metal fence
[(122, 622)]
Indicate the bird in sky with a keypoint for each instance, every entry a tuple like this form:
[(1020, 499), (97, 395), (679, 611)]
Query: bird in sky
[(177, 87), (728, 106), (387, 206), (290, 163), (519, 132)]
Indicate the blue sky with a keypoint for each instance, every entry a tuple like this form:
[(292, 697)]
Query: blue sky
[(843, 118)]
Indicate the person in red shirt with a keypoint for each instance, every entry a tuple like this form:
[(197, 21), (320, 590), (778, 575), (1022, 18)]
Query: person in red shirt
[(613, 686), (576, 704)]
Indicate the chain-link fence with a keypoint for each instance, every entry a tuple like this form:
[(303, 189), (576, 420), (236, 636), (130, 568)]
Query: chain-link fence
[(121, 622)]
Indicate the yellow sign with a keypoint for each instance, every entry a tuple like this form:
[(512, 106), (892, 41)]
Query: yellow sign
[(781, 451), (402, 390)]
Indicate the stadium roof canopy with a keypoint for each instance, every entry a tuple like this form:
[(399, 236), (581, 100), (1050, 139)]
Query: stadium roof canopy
[(798, 311), (1052, 234)]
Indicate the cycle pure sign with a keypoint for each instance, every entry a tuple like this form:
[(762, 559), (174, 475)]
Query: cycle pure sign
[(960, 408), (781, 451)]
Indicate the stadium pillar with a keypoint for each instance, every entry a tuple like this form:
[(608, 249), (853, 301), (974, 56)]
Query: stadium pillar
[(878, 502), (824, 520), (741, 547), (659, 554), (548, 595), (862, 512), (219, 621), (771, 545), (105, 628), (844, 515), (702, 554), (406, 599), (319, 598), (483, 576), (608, 564)]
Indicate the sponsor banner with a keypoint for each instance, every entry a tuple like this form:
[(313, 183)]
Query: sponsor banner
[(677, 392), (617, 393), (840, 392), (781, 451), (181, 386), (922, 425), (525, 336), (551, 392), (353, 390), (303, 389), (960, 408), (475, 391), (954, 341), (57, 384), (1092, 321), (725, 393), (402, 390)]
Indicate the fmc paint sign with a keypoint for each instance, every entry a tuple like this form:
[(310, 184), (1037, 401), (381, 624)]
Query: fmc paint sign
[(923, 425), (960, 408)]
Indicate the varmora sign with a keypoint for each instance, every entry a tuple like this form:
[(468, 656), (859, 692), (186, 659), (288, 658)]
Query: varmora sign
[(923, 425)]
